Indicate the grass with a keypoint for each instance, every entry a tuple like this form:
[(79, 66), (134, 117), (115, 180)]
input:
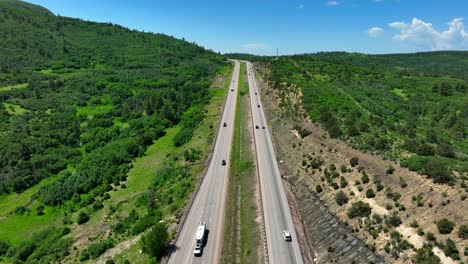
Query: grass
[(11, 87), (15, 228), (241, 210), (91, 111), (401, 93), (14, 109)]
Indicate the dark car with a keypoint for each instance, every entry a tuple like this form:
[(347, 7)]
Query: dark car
[(263, 127), (258, 105), (223, 162), (256, 127), (232, 90), (255, 93), (224, 125)]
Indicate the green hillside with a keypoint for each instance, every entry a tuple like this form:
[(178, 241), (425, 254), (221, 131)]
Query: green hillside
[(79, 101), (407, 107)]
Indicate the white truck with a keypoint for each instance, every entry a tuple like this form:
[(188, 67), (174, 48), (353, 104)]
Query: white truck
[(199, 239)]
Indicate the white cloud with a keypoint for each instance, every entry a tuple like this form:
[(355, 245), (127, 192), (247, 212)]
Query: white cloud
[(422, 35), (375, 32), (300, 7), (332, 3), (254, 46)]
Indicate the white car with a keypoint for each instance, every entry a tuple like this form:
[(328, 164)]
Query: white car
[(286, 235)]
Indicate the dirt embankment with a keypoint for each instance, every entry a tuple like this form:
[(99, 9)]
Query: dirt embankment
[(332, 234)]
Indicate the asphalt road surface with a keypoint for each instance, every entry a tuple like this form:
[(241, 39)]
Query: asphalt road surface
[(209, 204), (275, 205)]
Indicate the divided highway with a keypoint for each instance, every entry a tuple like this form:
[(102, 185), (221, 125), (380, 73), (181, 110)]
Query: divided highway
[(209, 204), (275, 205)]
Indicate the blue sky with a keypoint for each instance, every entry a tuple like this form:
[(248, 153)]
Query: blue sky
[(292, 26)]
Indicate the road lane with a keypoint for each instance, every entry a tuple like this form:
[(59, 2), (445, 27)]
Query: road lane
[(277, 214), (209, 204)]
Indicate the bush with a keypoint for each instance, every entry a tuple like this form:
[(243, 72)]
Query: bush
[(318, 188), (370, 193), (393, 220), (445, 226), (390, 169), (95, 250), (341, 198), (4, 246), (451, 250), (82, 218), (462, 232), (155, 242), (426, 255), (359, 209), (364, 178), (430, 236), (354, 162)]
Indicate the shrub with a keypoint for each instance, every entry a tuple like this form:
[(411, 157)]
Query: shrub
[(430, 236), (370, 193), (4, 246), (451, 250), (95, 250), (82, 218), (380, 187), (414, 224), (462, 232), (365, 178), (341, 198), (393, 220), (354, 161), (390, 169), (318, 188), (426, 255), (359, 209), (445, 226), (343, 182)]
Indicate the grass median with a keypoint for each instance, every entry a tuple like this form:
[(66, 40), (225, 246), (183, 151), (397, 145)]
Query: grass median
[(241, 232)]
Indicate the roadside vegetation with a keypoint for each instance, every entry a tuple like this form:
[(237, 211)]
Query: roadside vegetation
[(98, 140), (241, 232), (397, 106)]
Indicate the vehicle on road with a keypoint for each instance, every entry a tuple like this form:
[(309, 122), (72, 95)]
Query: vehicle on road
[(224, 125), (223, 162), (263, 127), (286, 235), (256, 127), (258, 105), (232, 90), (200, 239), (255, 93)]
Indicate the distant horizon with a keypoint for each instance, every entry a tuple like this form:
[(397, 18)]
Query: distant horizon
[(374, 27)]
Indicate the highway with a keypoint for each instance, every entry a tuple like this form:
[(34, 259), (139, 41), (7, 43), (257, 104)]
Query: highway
[(277, 214), (209, 203)]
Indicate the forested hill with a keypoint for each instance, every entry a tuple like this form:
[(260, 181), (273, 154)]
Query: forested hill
[(80, 100)]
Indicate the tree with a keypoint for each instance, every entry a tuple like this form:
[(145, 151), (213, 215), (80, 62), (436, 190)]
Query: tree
[(445, 226), (341, 198), (354, 161), (359, 209), (155, 242)]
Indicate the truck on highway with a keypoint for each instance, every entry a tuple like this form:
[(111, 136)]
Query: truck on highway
[(199, 239)]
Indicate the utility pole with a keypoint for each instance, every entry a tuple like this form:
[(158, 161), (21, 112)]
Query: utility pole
[(277, 52)]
